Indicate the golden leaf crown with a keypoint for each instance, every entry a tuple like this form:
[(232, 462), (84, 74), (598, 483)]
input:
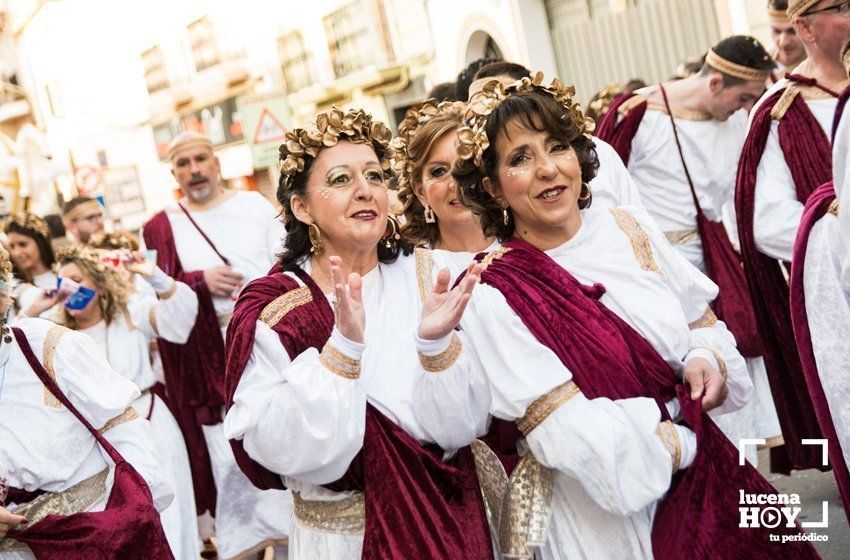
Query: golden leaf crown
[(331, 126), (27, 220), (472, 138), (605, 98), (94, 257), (5, 269), (113, 240), (415, 118)]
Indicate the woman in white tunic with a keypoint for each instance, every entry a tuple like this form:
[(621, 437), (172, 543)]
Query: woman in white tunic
[(307, 410), (122, 329), (46, 454), (597, 468), (32, 255)]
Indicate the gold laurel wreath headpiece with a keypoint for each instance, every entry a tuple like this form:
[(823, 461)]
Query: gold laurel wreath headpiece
[(29, 221), (82, 253), (472, 138), (415, 118), (331, 126), (105, 240)]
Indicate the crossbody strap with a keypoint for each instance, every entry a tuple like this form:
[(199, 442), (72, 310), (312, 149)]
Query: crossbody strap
[(224, 259)]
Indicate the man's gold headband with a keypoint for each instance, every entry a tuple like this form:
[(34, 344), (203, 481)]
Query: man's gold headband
[(82, 210), (736, 70)]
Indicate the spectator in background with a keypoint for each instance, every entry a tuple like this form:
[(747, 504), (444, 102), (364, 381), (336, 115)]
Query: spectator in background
[(504, 71), (29, 246), (788, 51), (467, 76), (443, 92), (57, 231), (82, 217)]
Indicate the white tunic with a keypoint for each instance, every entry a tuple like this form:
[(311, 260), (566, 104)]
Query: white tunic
[(611, 468), (711, 149), (841, 175), (44, 446), (299, 419), (777, 210), (613, 185), (125, 342)]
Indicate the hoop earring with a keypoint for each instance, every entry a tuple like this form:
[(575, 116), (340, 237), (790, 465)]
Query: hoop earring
[(315, 236), (506, 217), (391, 234), (430, 218), (585, 195), (4, 328)]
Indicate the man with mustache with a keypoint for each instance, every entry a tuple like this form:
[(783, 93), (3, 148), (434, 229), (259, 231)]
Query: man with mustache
[(215, 240)]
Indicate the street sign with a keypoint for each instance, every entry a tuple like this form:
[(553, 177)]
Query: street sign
[(88, 180), (264, 117)]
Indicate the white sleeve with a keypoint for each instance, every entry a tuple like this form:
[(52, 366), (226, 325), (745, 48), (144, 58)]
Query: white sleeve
[(777, 211), (695, 292), (841, 173), (171, 318), (296, 417), (610, 447), (102, 395), (613, 182), (453, 404)]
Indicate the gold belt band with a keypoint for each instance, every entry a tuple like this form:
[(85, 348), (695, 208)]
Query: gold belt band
[(682, 236), (346, 516), (539, 410), (79, 497)]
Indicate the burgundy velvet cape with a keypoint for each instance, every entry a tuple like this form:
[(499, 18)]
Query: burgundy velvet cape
[(194, 372), (128, 528), (809, 157), (816, 208), (699, 516), (417, 506), (722, 263)]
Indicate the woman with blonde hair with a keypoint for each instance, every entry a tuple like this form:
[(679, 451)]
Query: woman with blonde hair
[(122, 328)]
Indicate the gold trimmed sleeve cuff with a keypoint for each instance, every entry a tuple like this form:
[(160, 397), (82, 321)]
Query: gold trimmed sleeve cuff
[(540, 409), (439, 355), (341, 356), (710, 355)]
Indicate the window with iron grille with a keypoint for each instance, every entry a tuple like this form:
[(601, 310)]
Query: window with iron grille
[(295, 61), (358, 36), (203, 44), (156, 76)]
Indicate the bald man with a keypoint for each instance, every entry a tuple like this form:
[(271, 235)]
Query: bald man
[(215, 240)]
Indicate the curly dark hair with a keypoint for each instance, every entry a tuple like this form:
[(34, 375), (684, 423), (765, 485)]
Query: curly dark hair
[(535, 110), (296, 244)]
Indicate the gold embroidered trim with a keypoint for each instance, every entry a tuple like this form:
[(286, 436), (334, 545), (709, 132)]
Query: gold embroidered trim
[(518, 508), (630, 104), (666, 431), (721, 365), (708, 319), (48, 350), (277, 309), (638, 238), (338, 363), (735, 70), (540, 409), (152, 319), (424, 269), (169, 292), (346, 516), (78, 498), (445, 359), (784, 103), (128, 415), (681, 236), (493, 255), (833, 207), (778, 15), (681, 114)]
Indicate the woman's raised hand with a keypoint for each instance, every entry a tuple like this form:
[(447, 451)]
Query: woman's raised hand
[(443, 308), (349, 314)]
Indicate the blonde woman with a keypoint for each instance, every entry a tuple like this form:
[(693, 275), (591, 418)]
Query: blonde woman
[(122, 328)]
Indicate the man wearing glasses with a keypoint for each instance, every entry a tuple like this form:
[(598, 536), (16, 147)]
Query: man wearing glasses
[(82, 217), (786, 157)]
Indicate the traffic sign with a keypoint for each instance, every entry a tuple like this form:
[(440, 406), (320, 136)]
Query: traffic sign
[(264, 117)]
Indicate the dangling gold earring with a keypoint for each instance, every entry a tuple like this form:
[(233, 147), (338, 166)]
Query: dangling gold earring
[(4, 328), (430, 218), (506, 218), (391, 233), (316, 246), (585, 193)]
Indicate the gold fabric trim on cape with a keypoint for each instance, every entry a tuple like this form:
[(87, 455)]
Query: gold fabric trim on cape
[(638, 238), (833, 207), (79, 497), (518, 508), (48, 350), (670, 438), (540, 409), (338, 363), (128, 415), (346, 516), (280, 306), (492, 256), (445, 359), (708, 319), (784, 102), (681, 236), (424, 269)]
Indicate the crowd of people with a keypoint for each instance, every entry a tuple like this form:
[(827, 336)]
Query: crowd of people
[(517, 329)]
